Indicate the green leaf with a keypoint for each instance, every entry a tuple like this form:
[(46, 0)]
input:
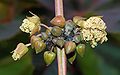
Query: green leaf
[(88, 64), (10, 67)]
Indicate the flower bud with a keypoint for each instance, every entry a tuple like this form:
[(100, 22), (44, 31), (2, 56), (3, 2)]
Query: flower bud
[(71, 60), (79, 20), (69, 47), (34, 39), (69, 26), (77, 38), (35, 30), (58, 21), (39, 46), (54, 40), (81, 49), (44, 36), (49, 57), (48, 31), (60, 42), (20, 50), (56, 31), (55, 50)]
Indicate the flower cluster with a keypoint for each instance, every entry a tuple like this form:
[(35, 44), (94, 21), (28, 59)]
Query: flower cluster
[(93, 30), (68, 35)]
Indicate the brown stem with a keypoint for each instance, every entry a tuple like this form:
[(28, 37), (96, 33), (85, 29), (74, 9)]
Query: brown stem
[(59, 7)]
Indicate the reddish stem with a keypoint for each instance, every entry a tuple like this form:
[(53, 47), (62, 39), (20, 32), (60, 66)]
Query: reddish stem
[(59, 7), (61, 57)]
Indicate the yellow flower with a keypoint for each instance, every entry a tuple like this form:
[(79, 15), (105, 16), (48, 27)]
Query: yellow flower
[(86, 34), (95, 22), (30, 23), (93, 30), (20, 50)]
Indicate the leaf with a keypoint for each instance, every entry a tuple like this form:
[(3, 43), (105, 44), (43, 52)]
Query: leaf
[(9, 67), (88, 64)]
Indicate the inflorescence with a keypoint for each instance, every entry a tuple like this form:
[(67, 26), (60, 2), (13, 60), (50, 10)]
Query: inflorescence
[(70, 35)]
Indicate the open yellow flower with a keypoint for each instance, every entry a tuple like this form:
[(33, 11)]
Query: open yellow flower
[(30, 23), (20, 50), (93, 30)]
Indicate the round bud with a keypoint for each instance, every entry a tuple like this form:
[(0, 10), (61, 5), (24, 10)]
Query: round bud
[(80, 49), (69, 47), (49, 57), (60, 42), (71, 60), (58, 21), (56, 31), (44, 36), (39, 46)]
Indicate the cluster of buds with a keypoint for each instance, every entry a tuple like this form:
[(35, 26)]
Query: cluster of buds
[(70, 35)]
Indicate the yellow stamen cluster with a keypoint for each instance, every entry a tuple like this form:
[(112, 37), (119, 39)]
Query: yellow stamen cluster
[(27, 26), (93, 30), (20, 50), (30, 23)]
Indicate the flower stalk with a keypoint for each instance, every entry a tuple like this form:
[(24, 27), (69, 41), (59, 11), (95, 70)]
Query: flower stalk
[(61, 57), (59, 7)]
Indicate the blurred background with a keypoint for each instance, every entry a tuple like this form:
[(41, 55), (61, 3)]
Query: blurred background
[(103, 60)]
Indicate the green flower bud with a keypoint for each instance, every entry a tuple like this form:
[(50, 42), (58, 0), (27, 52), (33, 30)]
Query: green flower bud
[(20, 51), (54, 40), (60, 42), (49, 57), (56, 31), (71, 60), (69, 47), (34, 39), (55, 49), (39, 46), (44, 36), (81, 49), (79, 20), (77, 38), (69, 26)]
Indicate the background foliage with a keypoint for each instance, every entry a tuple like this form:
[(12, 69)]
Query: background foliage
[(103, 60)]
